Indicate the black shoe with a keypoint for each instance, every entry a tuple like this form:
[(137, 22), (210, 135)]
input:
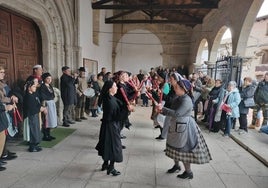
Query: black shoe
[(159, 137), (94, 115), (70, 122), (2, 162), (35, 149), (8, 157), (174, 169), (78, 120), (11, 153), (52, 137), (2, 168), (83, 118), (123, 147), (186, 175), (104, 167), (46, 138), (65, 125), (113, 172)]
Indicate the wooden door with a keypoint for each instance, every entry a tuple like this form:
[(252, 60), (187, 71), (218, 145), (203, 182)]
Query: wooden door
[(20, 46)]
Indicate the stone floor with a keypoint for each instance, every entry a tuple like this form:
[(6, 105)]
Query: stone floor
[(74, 162)]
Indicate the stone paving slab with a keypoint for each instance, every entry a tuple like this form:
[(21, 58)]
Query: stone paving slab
[(254, 142)]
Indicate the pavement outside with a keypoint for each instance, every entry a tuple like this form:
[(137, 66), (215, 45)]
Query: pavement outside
[(74, 162)]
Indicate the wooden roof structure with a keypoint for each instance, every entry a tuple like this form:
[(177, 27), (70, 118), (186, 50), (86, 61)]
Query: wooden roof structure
[(185, 12)]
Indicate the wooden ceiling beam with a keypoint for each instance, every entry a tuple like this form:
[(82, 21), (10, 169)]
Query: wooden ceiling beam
[(190, 23), (154, 7), (101, 2), (121, 14)]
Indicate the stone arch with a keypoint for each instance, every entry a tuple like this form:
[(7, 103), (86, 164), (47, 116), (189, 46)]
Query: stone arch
[(200, 50), (56, 26), (175, 40), (132, 53), (216, 44), (239, 45)]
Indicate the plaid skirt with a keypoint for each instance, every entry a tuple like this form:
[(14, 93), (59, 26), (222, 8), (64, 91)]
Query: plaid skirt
[(199, 155)]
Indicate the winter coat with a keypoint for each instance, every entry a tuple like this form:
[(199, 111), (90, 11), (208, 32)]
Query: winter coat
[(261, 93), (233, 100), (246, 92), (181, 134), (68, 90)]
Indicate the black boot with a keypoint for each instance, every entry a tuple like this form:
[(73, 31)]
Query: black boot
[(104, 166), (48, 133), (112, 170), (46, 137), (94, 113)]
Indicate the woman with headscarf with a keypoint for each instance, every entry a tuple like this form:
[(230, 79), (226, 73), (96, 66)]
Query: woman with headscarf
[(109, 146), (185, 141)]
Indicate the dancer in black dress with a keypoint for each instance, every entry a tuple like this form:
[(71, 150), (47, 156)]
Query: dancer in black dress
[(109, 146)]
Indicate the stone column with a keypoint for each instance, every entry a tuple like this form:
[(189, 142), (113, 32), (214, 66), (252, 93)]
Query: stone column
[(211, 68)]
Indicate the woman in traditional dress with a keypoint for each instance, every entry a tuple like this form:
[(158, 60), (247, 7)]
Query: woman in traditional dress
[(125, 94), (185, 141), (31, 108), (47, 96), (109, 146)]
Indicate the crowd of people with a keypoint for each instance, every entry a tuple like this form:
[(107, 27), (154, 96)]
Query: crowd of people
[(222, 104), (175, 97)]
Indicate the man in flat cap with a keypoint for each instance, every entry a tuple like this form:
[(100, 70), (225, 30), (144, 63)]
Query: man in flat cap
[(81, 86), (68, 95)]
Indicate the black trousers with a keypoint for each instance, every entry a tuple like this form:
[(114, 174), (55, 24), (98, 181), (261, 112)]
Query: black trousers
[(243, 122)]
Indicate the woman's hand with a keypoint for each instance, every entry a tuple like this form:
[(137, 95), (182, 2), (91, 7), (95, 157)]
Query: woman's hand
[(159, 108), (130, 108), (14, 99), (10, 107), (43, 109)]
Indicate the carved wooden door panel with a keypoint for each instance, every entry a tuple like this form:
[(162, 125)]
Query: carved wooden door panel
[(20, 50), (6, 55)]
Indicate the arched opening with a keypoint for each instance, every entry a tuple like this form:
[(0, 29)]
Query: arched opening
[(138, 49), (222, 44), (225, 48), (202, 56)]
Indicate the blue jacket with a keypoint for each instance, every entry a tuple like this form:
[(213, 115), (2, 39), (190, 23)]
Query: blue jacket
[(233, 101)]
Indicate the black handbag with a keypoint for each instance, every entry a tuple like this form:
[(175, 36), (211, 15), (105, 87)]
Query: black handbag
[(249, 102)]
